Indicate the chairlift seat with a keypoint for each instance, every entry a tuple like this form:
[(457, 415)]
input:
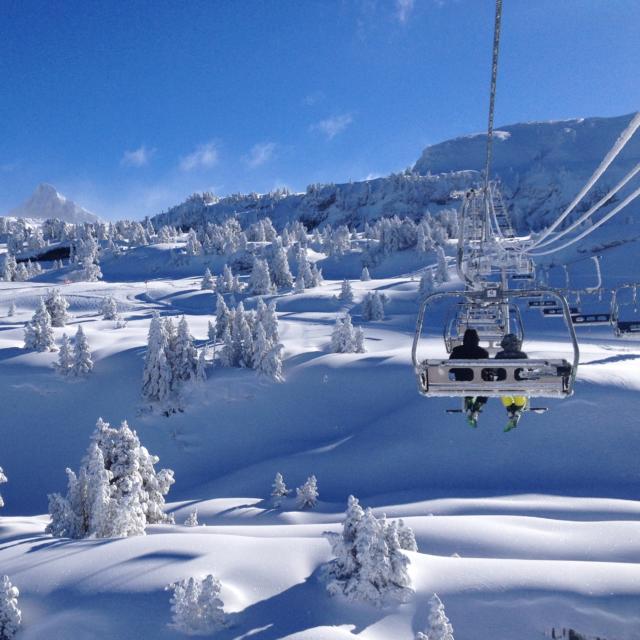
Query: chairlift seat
[(590, 319), (625, 328), (494, 378)]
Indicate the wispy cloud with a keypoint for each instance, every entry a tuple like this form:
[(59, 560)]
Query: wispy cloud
[(334, 125), (404, 9), (137, 158), (205, 156), (313, 98), (260, 154)]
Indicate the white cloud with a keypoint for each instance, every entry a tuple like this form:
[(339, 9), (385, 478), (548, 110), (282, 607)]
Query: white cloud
[(313, 98), (331, 127), (404, 9), (137, 158), (204, 157), (260, 154)]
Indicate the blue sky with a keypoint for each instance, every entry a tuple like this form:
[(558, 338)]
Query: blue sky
[(127, 107)]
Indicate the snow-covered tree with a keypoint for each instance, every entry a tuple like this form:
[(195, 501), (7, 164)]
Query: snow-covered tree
[(86, 253), (307, 494), (9, 267), (442, 273), (298, 285), (201, 366), (117, 491), (373, 306), (242, 338), (192, 519), (57, 306), (211, 331), (365, 276), (316, 275), (439, 627), (208, 283), (406, 537), (82, 363), (427, 283), (3, 479), (345, 338), (223, 317), (304, 269), (109, 308), (38, 333), (12, 309), (346, 292), (280, 271), (260, 280), (185, 356), (196, 606), (157, 376), (226, 357), (193, 247), (279, 488), (65, 357), (369, 564), (10, 614)]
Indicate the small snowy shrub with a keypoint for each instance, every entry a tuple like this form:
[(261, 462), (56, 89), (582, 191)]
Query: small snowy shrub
[(117, 491), (366, 276), (192, 518), (373, 306), (12, 310), (345, 338), (207, 283), (346, 292), (439, 626), (406, 537), (369, 564), (307, 494), (109, 308), (196, 606), (278, 489), (10, 614)]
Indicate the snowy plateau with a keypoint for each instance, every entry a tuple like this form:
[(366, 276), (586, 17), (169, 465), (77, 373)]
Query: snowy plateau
[(518, 533)]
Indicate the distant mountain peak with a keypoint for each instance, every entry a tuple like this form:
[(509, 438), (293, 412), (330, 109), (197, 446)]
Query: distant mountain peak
[(46, 202)]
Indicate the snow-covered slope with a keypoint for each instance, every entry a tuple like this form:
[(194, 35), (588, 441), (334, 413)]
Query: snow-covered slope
[(542, 165), (46, 203)]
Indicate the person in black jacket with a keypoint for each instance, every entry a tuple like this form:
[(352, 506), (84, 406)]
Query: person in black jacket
[(470, 349), (515, 405)]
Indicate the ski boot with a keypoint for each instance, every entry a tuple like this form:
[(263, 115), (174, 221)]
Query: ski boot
[(472, 418), (514, 418)]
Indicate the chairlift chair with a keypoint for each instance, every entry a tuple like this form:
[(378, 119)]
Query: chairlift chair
[(625, 328)]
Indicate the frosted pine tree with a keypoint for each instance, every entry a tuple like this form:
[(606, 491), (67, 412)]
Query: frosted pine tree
[(365, 276), (316, 276), (109, 308), (427, 284), (358, 340), (225, 357), (242, 339), (12, 310), (211, 332), (10, 614), (280, 270), (208, 283), (270, 322), (345, 338), (260, 280), (304, 269), (192, 519), (406, 537), (373, 306), (38, 333), (3, 479), (442, 273), (439, 627), (223, 317), (346, 292), (57, 306), (82, 364), (298, 286), (307, 494), (193, 247), (196, 606), (201, 366), (185, 354), (65, 357), (279, 488), (157, 376), (227, 279)]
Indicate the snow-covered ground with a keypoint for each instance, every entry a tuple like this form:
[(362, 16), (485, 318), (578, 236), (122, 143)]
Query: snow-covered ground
[(517, 532)]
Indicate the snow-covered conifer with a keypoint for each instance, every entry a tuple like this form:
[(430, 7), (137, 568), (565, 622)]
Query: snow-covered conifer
[(192, 519), (185, 356), (345, 338), (279, 488), (267, 356), (270, 322), (307, 494), (3, 479), (227, 279), (10, 614), (427, 284), (201, 366), (65, 357), (157, 377), (109, 308), (358, 340), (346, 292), (21, 274), (442, 273), (260, 280), (280, 270), (223, 317), (406, 537), (193, 247), (82, 363), (196, 606), (12, 309), (373, 306), (211, 331), (38, 333), (439, 627), (57, 306), (316, 275), (304, 269), (226, 357), (298, 286), (242, 338), (365, 276), (9, 267), (208, 283)]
